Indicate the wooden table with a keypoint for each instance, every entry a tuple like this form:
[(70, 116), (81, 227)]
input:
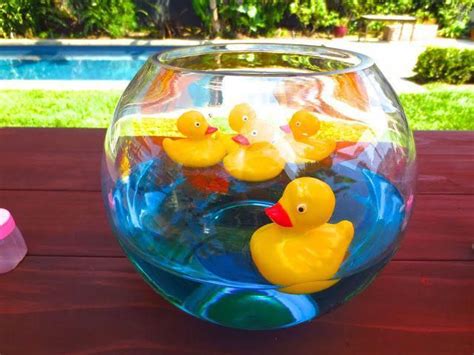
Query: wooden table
[(388, 18), (76, 293)]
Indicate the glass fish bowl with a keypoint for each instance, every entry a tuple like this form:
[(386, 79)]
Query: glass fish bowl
[(259, 186)]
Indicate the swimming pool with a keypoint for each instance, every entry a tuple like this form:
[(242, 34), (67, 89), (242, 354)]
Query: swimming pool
[(51, 62)]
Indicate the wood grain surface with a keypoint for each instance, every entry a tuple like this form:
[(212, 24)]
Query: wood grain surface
[(100, 305), (76, 294)]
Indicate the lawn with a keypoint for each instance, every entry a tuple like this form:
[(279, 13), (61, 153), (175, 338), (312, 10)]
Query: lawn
[(438, 109)]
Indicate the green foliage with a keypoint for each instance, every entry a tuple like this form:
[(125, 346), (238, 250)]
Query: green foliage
[(154, 16), (14, 18), (453, 17), (32, 18), (251, 17), (312, 14), (387, 7), (115, 18), (105, 17), (53, 18), (203, 10), (450, 65)]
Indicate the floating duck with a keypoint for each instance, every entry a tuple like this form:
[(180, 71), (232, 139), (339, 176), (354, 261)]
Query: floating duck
[(239, 116), (301, 131), (256, 158), (199, 149), (300, 251)]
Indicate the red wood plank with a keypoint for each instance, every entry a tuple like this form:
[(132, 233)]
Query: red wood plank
[(440, 229), (74, 223), (69, 159), (62, 222), (445, 162), (50, 159), (52, 305)]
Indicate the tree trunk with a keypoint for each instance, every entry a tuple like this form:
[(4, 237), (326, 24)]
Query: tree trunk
[(216, 26)]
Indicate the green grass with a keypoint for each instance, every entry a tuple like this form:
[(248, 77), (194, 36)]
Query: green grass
[(441, 108), (38, 108)]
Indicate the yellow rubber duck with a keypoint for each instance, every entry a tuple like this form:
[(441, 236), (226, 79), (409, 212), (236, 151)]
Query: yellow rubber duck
[(198, 149), (301, 131), (256, 158), (301, 251), (239, 116)]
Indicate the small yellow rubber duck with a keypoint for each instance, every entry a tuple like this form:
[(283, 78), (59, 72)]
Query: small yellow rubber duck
[(301, 131), (198, 149), (301, 251), (256, 158), (239, 116)]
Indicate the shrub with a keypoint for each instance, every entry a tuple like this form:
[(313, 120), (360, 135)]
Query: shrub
[(32, 18), (450, 65), (14, 19), (110, 17), (251, 17), (154, 16), (453, 17), (312, 14)]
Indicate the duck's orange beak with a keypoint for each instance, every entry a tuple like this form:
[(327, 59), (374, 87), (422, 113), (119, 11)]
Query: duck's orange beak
[(210, 129), (286, 128), (278, 215), (241, 139)]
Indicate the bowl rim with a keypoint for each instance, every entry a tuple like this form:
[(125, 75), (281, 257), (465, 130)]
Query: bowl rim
[(162, 59)]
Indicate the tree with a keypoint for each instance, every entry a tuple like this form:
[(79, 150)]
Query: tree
[(216, 26)]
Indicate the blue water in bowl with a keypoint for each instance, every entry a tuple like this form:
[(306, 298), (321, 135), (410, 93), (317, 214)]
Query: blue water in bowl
[(187, 231)]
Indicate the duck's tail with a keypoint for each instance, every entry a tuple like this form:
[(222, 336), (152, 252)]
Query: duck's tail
[(167, 145), (346, 228)]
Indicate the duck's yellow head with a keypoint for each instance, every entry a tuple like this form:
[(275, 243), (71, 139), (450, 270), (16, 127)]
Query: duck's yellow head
[(302, 124), (193, 124), (306, 203), (240, 115), (255, 132)]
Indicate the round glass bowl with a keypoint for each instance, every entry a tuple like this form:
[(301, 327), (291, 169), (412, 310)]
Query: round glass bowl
[(259, 186)]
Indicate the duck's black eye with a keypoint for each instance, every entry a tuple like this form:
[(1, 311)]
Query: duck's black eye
[(298, 124), (245, 118), (301, 208), (197, 124), (254, 133)]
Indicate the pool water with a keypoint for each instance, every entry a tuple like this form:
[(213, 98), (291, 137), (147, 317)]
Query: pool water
[(73, 62), (187, 231)]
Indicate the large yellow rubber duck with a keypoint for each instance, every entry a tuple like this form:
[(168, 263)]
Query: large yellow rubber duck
[(239, 116), (256, 158), (199, 149), (301, 131), (301, 251)]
